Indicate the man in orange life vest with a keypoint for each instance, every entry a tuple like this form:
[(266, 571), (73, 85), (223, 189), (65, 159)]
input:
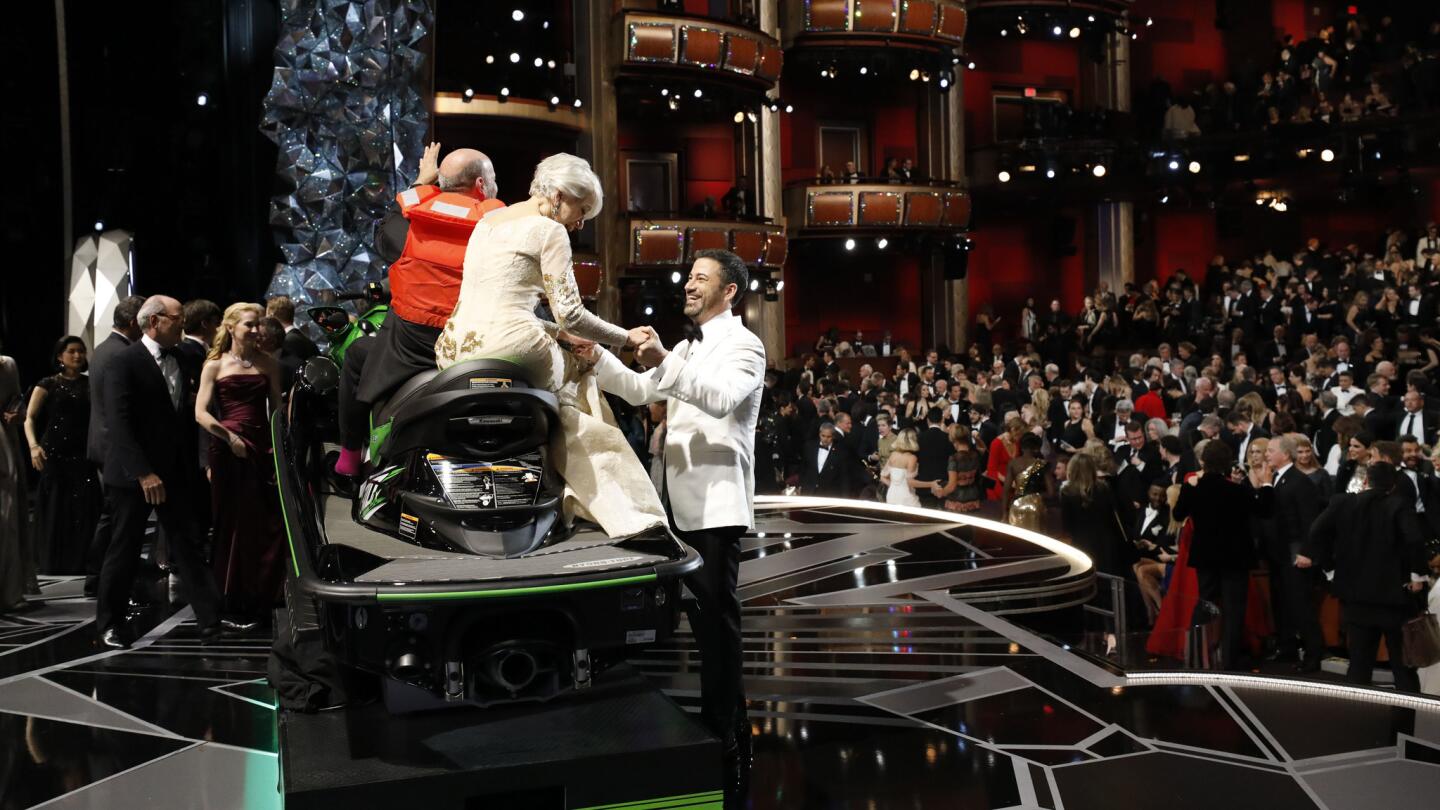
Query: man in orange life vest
[(424, 286)]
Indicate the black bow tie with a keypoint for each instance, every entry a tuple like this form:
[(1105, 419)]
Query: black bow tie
[(693, 333)]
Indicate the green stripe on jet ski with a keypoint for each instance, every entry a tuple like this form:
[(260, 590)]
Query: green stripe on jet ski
[(284, 513), (504, 592), (692, 801)]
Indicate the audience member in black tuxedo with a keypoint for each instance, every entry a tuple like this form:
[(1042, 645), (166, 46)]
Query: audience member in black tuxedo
[(1297, 502), (1150, 531), (1176, 461), (124, 331), (934, 456), (1416, 420), (848, 446), (152, 429), (296, 347), (826, 470), (1373, 544), (1221, 549), (202, 320), (1241, 431), (1137, 465), (1324, 435)]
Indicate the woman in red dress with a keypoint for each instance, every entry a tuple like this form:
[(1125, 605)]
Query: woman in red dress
[(1003, 448)]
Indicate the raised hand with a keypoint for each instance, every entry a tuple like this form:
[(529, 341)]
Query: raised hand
[(429, 165), (638, 335), (651, 352)]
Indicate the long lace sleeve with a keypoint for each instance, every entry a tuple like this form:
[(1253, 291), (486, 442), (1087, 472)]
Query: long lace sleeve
[(558, 275)]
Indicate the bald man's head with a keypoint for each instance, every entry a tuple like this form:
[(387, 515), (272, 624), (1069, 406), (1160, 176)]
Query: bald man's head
[(468, 171)]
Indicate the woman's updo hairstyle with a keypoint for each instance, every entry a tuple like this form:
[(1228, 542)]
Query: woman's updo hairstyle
[(571, 176)]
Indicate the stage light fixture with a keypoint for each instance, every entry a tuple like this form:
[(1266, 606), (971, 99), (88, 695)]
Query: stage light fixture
[(944, 83), (1327, 155), (1242, 158), (1099, 170), (1194, 167), (1057, 31), (577, 104), (1134, 35), (849, 244), (1022, 28), (914, 74), (789, 108), (469, 94), (675, 277), (490, 59), (1090, 18), (649, 310), (774, 105), (504, 93), (1075, 32), (924, 75), (1174, 165), (550, 64), (664, 91), (970, 65), (1027, 167), (201, 100), (1302, 153), (554, 102), (517, 15), (864, 70), (739, 117), (699, 93), (882, 243), (545, 25), (754, 284), (1003, 176), (1164, 198), (780, 286), (1050, 174), (1149, 21), (1004, 32), (539, 62), (514, 58), (99, 225), (753, 118), (1377, 154), (674, 103)]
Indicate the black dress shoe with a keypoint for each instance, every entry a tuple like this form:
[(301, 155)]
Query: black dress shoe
[(212, 634), (233, 626), (114, 639)]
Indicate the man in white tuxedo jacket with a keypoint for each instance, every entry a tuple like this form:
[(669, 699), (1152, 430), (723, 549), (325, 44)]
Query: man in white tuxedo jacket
[(712, 386)]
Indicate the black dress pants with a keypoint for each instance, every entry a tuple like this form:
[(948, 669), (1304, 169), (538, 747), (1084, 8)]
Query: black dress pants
[(401, 350), (1230, 590), (129, 513), (99, 542), (1292, 602), (1364, 627), (715, 618)]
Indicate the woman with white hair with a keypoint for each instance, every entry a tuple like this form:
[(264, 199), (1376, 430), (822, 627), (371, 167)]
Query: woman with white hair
[(514, 256)]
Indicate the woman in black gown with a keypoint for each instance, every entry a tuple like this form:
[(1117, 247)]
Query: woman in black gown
[(68, 495)]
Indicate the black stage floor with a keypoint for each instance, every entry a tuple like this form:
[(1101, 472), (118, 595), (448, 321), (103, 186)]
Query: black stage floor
[(887, 667)]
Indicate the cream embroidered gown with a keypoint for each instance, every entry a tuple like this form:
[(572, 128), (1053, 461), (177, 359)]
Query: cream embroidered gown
[(507, 267)]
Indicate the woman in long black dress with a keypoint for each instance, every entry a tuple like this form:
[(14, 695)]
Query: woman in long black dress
[(68, 494)]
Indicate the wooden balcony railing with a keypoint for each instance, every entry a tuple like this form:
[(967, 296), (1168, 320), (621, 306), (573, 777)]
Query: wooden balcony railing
[(702, 46), (938, 22), (876, 207), (674, 242)]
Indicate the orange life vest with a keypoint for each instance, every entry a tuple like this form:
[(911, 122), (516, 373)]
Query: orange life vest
[(425, 280)]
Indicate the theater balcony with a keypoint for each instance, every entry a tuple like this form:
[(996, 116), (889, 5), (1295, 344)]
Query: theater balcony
[(873, 24), (665, 244), (834, 210), (689, 50)]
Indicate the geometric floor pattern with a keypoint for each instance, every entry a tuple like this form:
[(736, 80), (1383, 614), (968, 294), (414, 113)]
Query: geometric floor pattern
[(879, 672)]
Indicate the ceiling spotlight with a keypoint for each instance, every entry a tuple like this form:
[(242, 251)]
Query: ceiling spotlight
[(774, 105), (1281, 206), (1134, 35), (1174, 165), (1003, 176), (1099, 170), (1259, 200), (469, 93), (789, 108), (924, 75), (674, 103), (201, 100), (699, 92), (504, 92), (539, 62), (914, 74), (739, 117), (864, 70), (675, 277), (1242, 158), (517, 15), (882, 243), (1327, 155), (490, 59), (779, 286), (1090, 18), (849, 244), (1075, 32), (577, 104), (550, 64), (1377, 154), (1050, 173), (1302, 153), (944, 83), (970, 65), (664, 91), (554, 101), (1004, 32), (1149, 21), (514, 58), (1194, 167), (754, 284), (1057, 30), (753, 118), (545, 25), (1164, 198), (99, 225), (649, 310), (1022, 27)]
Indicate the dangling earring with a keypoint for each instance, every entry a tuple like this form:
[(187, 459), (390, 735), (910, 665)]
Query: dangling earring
[(555, 209)]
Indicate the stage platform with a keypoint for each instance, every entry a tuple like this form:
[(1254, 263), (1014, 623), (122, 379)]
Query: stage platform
[(888, 665)]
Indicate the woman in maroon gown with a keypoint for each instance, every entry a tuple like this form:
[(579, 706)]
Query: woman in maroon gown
[(239, 386)]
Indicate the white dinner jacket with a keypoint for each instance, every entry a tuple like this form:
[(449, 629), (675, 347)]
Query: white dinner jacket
[(712, 396)]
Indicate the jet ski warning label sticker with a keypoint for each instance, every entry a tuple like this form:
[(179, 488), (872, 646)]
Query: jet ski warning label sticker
[(487, 485), (408, 525)]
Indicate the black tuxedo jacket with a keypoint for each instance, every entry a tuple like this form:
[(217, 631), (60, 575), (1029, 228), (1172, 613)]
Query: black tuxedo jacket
[(1297, 503), (1325, 438), (147, 433), (1157, 532), (192, 361), (834, 479), (934, 455), (1429, 417), (100, 359), (1373, 544), (1221, 511)]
